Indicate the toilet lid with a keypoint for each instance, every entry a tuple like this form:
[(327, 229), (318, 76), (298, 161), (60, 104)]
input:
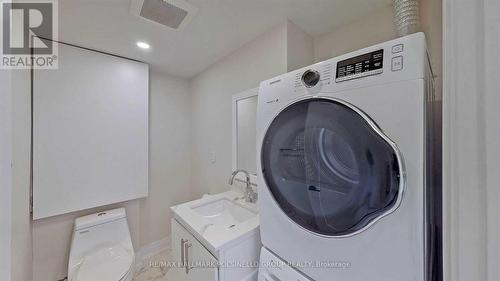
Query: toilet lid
[(106, 264)]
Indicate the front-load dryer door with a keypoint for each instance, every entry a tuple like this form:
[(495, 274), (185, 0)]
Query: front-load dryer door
[(330, 168)]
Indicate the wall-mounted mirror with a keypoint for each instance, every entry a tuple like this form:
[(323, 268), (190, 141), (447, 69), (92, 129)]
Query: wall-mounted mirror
[(244, 131)]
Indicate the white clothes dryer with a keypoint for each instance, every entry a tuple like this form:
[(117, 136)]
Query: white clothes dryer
[(349, 166)]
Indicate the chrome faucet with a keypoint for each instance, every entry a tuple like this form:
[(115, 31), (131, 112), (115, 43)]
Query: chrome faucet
[(250, 195)]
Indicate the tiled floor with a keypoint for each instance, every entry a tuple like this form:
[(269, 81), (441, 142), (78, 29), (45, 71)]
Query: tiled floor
[(154, 268)]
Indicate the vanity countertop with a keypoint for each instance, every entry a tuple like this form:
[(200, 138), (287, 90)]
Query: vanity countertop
[(219, 220)]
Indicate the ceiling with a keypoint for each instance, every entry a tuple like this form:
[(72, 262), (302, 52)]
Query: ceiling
[(219, 28)]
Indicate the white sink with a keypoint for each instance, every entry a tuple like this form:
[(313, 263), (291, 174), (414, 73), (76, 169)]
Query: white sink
[(224, 212), (219, 220), (217, 226)]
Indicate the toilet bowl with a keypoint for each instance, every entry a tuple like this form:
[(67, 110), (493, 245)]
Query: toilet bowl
[(101, 248)]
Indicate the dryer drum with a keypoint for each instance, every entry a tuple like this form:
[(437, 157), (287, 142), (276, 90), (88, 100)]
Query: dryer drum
[(328, 168)]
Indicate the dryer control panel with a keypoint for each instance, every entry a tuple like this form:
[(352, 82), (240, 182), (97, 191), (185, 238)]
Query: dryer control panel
[(360, 66)]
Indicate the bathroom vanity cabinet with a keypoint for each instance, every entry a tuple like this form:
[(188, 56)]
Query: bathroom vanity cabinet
[(195, 262), (215, 238), (236, 262)]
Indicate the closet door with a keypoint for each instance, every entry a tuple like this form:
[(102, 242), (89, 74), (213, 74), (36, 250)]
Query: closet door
[(90, 132)]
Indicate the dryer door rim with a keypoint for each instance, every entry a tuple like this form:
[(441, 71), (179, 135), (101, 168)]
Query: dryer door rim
[(375, 128)]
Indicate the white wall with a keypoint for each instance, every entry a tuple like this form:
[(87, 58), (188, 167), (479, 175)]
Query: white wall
[(492, 119), (170, 157), (432, 24), (258, 60), (5, 173), (375, 28), (471, 139), (169, 183), (21, 219), (300, 47), (379, 27)]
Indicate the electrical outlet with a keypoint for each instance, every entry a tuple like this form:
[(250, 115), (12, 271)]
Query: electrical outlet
[(212, 157)]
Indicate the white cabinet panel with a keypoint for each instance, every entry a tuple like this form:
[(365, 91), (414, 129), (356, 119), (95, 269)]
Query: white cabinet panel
[(202, 265), (179, 238), (198, 263), (90, 132)]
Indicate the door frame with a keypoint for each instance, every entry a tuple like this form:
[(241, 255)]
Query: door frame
[(254, 92), (471, 140), (5, 174)]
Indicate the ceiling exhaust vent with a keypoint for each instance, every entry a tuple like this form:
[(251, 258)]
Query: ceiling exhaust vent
[(175, 14)]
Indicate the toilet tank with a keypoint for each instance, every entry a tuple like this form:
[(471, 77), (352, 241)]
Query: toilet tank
[(94, 232)]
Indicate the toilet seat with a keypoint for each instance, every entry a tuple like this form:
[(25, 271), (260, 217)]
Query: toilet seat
[(107, 264)]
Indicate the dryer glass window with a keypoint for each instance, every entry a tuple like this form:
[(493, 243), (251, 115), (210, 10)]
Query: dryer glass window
[(328, 168)]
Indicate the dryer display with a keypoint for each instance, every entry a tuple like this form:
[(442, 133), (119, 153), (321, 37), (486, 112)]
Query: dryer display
[(360, 66)]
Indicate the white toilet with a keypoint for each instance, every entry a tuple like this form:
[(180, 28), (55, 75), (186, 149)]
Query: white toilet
[(101, 248)]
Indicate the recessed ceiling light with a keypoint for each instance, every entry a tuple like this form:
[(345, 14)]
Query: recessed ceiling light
[(143, 45)]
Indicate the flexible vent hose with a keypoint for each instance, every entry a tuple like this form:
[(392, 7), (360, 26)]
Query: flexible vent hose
[(406, 16)]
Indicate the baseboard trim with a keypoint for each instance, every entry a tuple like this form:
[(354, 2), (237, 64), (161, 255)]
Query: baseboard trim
[(152, 249)]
